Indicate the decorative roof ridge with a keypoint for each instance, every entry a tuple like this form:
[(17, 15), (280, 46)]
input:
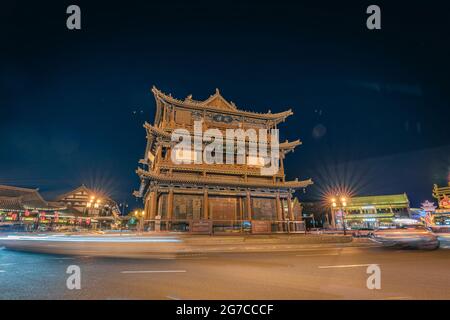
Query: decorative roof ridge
[(156, 129), (83, 187), (62, 196), (381, 195), (194, 103), (3, 186), (217, 95), (290, 144)]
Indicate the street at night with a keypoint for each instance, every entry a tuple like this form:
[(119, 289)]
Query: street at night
[(309, 273), (266, 157)]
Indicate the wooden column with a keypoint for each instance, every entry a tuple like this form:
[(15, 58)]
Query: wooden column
[(279, 212), (172, 117), (241, 209), (205, 205), (153, 203), (249, 206), (170, 204), (279, 208), (163, 123), (158, 159), (147, 208), (290, 211)]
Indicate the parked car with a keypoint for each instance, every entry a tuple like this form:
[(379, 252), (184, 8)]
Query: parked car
[(407, 236)]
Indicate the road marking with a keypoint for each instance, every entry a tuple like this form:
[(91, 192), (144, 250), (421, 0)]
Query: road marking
[(173, 298), (1, 271), (318, 254), (155, 271), (347, 266), (396, 298), (334, 248)]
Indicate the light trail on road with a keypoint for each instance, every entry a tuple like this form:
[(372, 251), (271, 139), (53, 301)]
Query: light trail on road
[(155, 271), (102, 239), (263, 275), (348, 266)]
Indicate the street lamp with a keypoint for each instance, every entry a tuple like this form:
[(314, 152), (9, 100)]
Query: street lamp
[(123, 205), (343, 204), (140, 216)]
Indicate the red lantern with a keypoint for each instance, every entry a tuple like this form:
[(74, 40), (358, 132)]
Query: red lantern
[(27, 213)]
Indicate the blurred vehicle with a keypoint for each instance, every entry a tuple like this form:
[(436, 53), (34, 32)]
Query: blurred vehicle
[(43, 228), (407, 236), (362, 232), (444, 239), (61, 228)]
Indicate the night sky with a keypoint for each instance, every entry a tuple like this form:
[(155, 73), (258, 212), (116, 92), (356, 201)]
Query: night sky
[(371, 107)]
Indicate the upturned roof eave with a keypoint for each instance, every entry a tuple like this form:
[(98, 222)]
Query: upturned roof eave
[(200, 106), (295, 184)]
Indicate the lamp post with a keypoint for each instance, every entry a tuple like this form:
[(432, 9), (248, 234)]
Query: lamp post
[(124, 206), (140, 215), (343, 204)]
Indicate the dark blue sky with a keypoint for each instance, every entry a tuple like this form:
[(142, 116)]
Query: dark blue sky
[(371, 107)]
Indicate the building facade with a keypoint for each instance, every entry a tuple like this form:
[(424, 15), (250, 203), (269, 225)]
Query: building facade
[(195, 195), (372, 212), (86, 203), (26, 209)]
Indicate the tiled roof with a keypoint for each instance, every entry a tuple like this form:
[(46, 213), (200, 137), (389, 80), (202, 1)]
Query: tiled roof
[(15, 198), (10, 191), (200, 180), (11, 204), (391, 199), (224, 106)]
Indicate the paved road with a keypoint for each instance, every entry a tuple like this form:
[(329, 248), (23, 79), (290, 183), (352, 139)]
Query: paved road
[(314, 273)]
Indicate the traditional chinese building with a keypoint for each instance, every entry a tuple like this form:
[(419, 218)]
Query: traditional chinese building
[(26, 207), (84, 202), (371, 212), (225, 197), (441, 216)]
